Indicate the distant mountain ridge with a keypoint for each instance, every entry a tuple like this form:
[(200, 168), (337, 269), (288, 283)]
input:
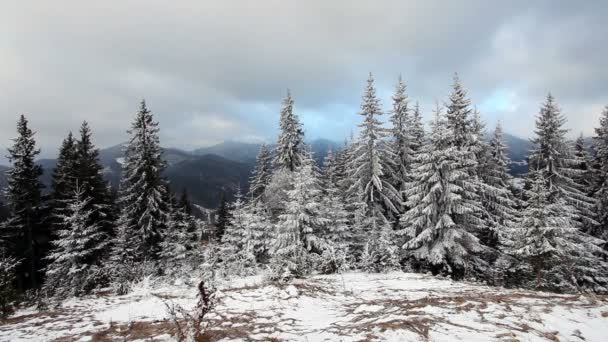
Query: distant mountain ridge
[(205, 172)]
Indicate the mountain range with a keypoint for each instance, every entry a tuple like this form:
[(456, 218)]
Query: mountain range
[(206, 172)]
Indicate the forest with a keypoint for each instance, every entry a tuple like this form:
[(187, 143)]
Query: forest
[(396, 197)]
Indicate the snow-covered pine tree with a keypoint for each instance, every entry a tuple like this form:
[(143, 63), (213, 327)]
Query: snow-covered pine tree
[(402, 140), (370, 168), (184, 202), (561, 256), (299, 226), (336, 231), (417, 131), (259, 231), (236, 234), (463, 134), (73, 268), (260, 176), (23, 229), (495, 189), (173, 244), (499, 200), (289, 152), (63, 180), (552, 156), (436, 231), (370, 159), (600, 178), (88, 173), (582, 162), (144, 199)]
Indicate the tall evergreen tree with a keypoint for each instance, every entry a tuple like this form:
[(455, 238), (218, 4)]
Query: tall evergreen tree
[(497, 196), (552, 156), (583, 176), (63, 181), (88, 173), (417, 130), (436, 228), (290, 146), (73, 266), (402, 140), (299, 226), (22, 233), (562, 257), (261, 174), (144, 198), (464, 133), (600, 178), (221, 217), (370, 159)]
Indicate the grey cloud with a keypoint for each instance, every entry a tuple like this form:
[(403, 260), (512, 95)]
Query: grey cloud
[(218, 70)]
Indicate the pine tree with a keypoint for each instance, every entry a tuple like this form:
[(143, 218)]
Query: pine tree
[(402, 139), (144, 198), (583, 175), (299, 226), (417, 131), (88, 173), (72, 263), (464, 131), (303, 212), (436, 228), (259, 236), (221, 217), (261, 174), (235, 233), (600, 179), (333, 209), (495, 190), (552, 157), (22, 231), (290, 146), (63, 180), (370, 159), (562, 257)]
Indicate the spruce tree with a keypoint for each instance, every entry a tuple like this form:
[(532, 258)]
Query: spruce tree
[(337, 230), (289, 151), (63, 180), (370, 159), (88, 173), (402, 139), (22, 231), (495, 190), (73, 266), (583, 175), (552, 156), (561, 256), (261, 174), (300, 225), (436, 228), (417, 131), (221, 217), (144, 198), (600, 178)]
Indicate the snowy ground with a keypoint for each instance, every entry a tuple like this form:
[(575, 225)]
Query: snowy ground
[(349, 307)]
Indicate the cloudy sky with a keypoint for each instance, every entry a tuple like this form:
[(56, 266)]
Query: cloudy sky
[(217, 70)]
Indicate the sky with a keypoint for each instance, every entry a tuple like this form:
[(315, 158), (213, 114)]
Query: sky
[(217, 70)]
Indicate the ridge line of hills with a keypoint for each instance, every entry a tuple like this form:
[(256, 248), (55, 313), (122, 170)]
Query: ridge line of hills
[(207, 171)]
